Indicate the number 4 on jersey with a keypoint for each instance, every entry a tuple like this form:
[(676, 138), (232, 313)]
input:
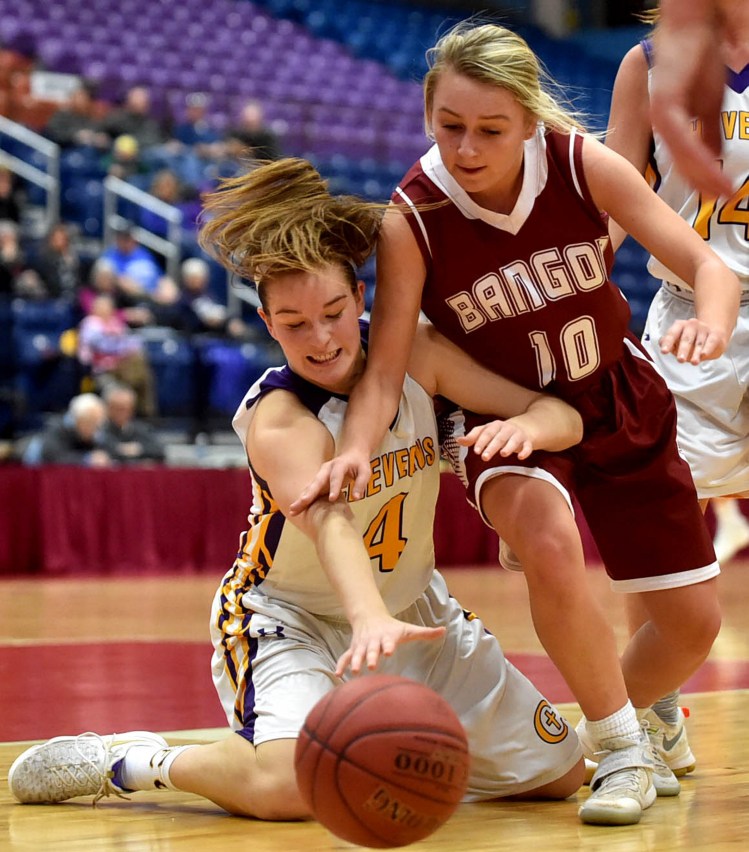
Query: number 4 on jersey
[(384, 537)]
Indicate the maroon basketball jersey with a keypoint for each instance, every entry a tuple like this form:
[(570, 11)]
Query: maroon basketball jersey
[(528, 293)]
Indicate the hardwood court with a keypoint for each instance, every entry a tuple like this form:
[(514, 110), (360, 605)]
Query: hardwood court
[(59, 675)]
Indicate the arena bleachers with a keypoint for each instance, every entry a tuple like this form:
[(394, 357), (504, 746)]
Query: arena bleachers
[(340, 84)]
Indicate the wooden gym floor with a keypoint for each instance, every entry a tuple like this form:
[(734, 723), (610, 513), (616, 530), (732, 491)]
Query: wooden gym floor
[(114, 655)]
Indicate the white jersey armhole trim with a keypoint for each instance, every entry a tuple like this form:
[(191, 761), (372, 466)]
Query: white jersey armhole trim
[(573, 170), (418, 217)]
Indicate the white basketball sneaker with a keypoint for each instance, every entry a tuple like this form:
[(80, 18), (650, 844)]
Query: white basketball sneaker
[(66, 767), (622, 786), (669, 741), (664, 780), (732, 532)]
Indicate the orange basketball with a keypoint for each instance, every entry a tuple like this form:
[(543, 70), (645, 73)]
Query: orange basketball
[(382, 761)]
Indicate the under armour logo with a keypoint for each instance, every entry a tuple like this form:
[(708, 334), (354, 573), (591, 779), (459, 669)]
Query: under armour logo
[(278, 631)]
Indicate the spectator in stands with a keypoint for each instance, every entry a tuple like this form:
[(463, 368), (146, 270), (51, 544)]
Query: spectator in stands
[(134, 119), (123, 160), (12, 258), (195, 131), (167, 187), (76, 439), (251, 138), (193, 147), (76, 123), (18, 276), (202, 312), (102, 279), (115, 355), (58, 264), (137, 270), (10, 197), (128, 439), (163, 307)]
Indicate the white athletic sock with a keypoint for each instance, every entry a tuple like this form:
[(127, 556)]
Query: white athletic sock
[(623, 723), (147, 768), (728, 511)]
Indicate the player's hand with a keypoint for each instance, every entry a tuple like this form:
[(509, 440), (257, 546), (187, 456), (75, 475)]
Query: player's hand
[(693, 341), (349, 468), (379, 636), (688, 82), (498, 436)]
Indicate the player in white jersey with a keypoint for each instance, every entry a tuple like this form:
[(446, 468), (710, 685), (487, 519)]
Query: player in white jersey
[(713, 408), (711, 398), (341, 588)]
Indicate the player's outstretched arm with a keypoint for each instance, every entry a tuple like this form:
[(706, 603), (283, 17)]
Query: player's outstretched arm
[(621, 191), (530, 420), (629, 132), (547, 424), (287, 443), (688, 83), (374, 401)]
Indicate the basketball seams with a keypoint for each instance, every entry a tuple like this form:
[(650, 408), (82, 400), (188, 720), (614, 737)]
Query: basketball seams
[(371, 773), (350, 810)]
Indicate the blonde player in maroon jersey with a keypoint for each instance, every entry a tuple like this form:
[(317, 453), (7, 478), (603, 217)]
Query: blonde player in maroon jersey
[(499, 234)]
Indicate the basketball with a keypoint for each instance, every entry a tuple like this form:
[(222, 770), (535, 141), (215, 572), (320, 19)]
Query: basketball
[(382, 761)]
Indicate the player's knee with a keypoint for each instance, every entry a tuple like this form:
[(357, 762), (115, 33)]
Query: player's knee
[(694, 627), (701, 630), (560, 788), (548, 553), (570, 783), (275, 796)]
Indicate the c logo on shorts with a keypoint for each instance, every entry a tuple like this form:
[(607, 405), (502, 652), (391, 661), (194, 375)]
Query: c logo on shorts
[(549, 725)]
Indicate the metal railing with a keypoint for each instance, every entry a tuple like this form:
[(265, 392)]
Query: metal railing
[(114, 188), (49, 180), (171, 247)]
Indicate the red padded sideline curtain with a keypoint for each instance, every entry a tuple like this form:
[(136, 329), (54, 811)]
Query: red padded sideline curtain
[(71, 520)]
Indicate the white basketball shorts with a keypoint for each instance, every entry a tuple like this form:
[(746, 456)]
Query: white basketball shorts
[(270, 677), (711, 398)]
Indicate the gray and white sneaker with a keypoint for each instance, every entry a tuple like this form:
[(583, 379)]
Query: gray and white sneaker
[(664, 780), (622, 785), (670, 741), (66, 767)]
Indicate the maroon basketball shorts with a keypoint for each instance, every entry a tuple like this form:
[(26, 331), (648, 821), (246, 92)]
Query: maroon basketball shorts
[(634, 489)]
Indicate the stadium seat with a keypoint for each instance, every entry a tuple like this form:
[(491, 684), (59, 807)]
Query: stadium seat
[(172, 360), (234, 367)]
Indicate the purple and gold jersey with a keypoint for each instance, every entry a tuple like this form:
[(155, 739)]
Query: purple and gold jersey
[(528, 293), (395, 516)]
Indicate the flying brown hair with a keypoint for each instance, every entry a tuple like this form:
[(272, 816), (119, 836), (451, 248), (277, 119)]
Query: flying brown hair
[(279, 216)]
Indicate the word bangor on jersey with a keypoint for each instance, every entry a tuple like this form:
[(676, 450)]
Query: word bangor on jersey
[(526, 293)]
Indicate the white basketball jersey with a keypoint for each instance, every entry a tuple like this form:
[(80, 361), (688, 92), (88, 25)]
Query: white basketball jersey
[(724, 223), (395, 517)]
